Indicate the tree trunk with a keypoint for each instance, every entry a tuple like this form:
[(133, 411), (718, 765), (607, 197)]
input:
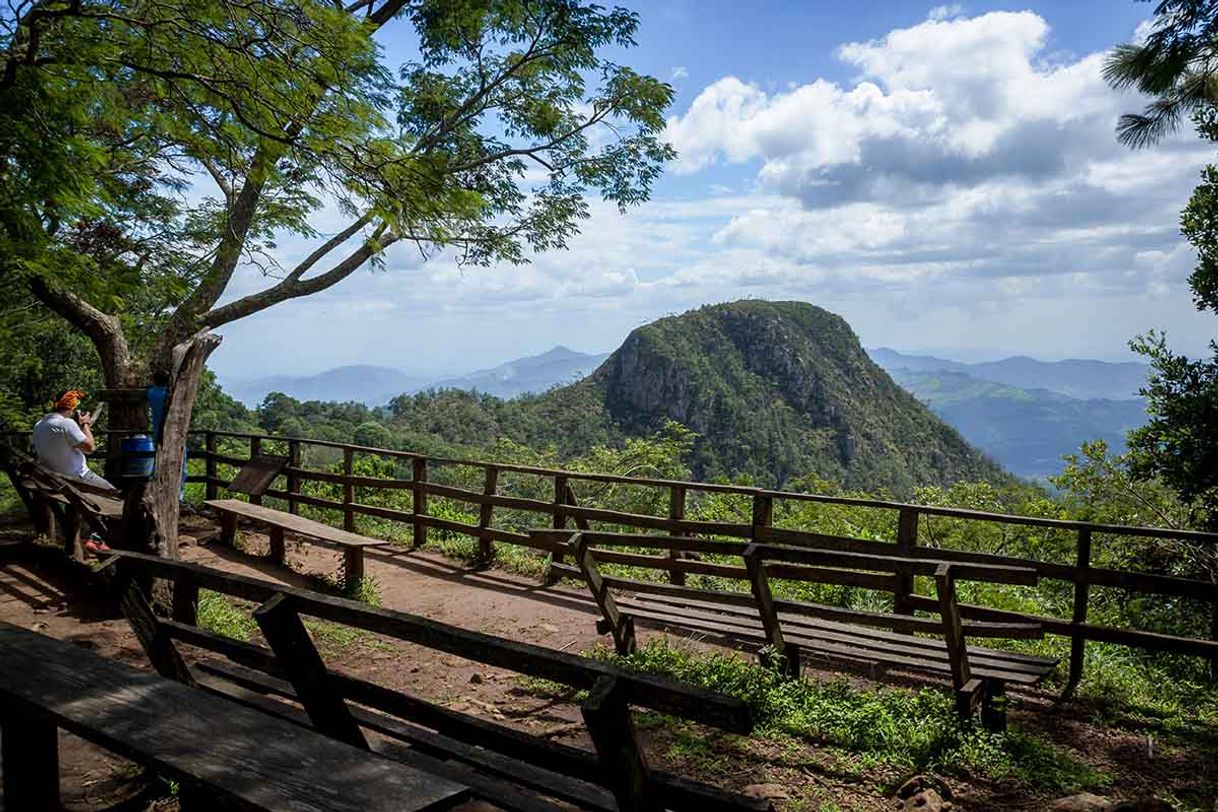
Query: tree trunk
[(152, 514)]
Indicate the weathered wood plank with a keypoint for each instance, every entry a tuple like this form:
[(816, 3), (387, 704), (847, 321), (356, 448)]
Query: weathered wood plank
[(242, 757), (315, 531)]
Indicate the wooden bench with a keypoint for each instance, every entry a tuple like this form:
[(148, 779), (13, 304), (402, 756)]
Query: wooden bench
[(512, 769), (61, 506), (279, 523), (794, 630), (224, 754)]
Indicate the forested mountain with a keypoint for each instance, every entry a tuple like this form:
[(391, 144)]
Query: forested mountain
[(774, 391)]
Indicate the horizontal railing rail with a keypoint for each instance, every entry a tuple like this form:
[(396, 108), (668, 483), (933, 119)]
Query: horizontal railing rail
[(559, 508)]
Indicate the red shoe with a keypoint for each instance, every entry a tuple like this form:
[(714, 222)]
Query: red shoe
[(96, 546)]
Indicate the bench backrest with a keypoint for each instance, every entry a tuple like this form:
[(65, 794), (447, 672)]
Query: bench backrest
[(291, 655)]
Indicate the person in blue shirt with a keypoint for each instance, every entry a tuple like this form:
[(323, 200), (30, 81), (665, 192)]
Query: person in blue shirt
[(158, 395)]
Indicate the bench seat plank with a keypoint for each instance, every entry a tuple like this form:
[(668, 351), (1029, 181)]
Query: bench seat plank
[(245, 757), (316, 531), (840, 641)]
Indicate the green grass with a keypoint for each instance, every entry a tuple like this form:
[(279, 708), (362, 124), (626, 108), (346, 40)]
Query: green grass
[(906, 729), (218, 615)]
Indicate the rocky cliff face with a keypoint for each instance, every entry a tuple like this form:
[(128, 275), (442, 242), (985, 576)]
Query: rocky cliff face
[(780, 390)]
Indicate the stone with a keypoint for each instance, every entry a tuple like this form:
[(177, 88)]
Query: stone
[(772, 792), (1082, 802), (927, 800), (475, 679)]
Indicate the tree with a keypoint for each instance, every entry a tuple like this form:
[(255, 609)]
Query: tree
[(1176, 65), (112, 109)]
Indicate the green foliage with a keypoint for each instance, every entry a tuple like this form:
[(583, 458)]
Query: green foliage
[(911, 730), (1179, 444), (1172, 65)]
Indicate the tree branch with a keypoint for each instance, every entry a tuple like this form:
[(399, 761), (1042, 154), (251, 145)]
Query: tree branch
[(102, 329), (293, 288)]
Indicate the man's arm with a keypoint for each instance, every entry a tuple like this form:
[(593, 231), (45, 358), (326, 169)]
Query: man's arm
[(85, 441)]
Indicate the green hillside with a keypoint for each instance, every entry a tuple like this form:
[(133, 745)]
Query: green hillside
[(774, 390)]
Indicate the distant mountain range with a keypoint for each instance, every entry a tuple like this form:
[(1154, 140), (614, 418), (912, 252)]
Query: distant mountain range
[(533, 374), (376, 386), (1025, 413), (1077, 378), (372, 385)]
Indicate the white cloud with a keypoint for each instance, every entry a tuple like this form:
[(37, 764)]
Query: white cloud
[(945, 12), (678, 73)]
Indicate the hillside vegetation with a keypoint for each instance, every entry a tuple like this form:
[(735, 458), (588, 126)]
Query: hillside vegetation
[(772, 390)]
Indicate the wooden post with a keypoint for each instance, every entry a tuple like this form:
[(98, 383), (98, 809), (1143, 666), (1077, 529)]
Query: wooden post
[(613, 734), (967, 690), (30, 759), (486, 514), (763, 513), (907, 541), (158, 645), (278, 547), (759, 581), (621, 625), (185, 599), (559, 518), (293, 479), (72, 546), (255, 450), (348, 490), (298, 657), (209, 445), (353, 568), (419, 500), (676, 513), (228, 527), (1078, 643)]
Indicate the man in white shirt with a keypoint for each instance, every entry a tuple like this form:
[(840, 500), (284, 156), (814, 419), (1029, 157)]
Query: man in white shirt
[(62, 439)]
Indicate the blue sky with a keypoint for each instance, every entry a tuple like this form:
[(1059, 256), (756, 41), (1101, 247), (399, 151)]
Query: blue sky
[(944, 177)]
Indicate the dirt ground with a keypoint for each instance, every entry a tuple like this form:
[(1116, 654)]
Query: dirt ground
[(797, 775)]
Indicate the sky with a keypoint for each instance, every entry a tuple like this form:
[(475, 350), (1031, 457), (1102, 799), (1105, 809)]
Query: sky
[(946, 178)]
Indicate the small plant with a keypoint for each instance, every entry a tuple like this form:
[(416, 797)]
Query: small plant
[(366, 590)]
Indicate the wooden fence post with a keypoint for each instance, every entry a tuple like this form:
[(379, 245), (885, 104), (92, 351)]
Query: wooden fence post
[(348, 490), (486, 514), (158, 645), (560, 518), (613, 734), (255, 450), (907, 541), (293, 479), (209, 446), (676, 513), (1078, 642), (763, 513), (419, 500), (298, 657), (1214, 634)]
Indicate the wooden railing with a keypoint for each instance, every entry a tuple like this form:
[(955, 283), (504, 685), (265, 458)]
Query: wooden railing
[(562, 510)]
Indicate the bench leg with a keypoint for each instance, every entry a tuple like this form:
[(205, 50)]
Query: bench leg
[(72, 547), (277, 545), (994, 706), (353, 568), (969, 697), (228, 528), (31, 761), (611, 727)]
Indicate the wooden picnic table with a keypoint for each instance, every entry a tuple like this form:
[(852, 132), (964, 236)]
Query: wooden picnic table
[(219, 750)]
